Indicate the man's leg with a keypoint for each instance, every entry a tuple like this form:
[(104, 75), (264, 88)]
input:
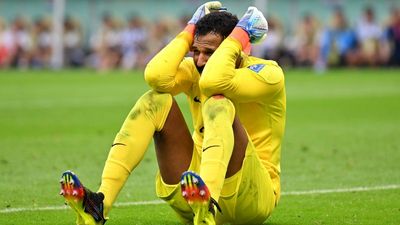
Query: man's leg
[(225, 142), (234, 174), (224, 148), (155, 115), (174, 146), (231, 168), (147, 118), (175, 154)]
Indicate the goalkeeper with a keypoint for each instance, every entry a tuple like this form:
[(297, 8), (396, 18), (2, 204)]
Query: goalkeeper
[(228, 170)]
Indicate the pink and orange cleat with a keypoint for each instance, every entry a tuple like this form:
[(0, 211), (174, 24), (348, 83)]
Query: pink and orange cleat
[(197, 195), (87, 205)]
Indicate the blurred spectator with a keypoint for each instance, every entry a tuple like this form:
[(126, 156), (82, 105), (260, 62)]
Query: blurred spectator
[(272, 47), (133, 44), (162, 31), (392, 34), (4, 52), (41, 54), (18, 42), (74, 55), (339, 45), (369, 34), (305, 43), (106, 43)]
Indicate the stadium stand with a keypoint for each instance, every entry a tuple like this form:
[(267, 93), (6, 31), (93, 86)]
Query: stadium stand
[(125, 34)]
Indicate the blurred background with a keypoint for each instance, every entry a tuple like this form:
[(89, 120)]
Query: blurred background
[(341, 133), (106, 35)]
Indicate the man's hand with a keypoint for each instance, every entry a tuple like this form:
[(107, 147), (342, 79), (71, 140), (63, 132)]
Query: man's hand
[(206, 8), (255, 24)]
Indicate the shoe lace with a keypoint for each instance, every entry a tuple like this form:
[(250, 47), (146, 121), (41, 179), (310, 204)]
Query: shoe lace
[(93, 204), (213, 203)]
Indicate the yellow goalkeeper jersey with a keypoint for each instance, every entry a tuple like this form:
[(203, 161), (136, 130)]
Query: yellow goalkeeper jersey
[(256, 88)]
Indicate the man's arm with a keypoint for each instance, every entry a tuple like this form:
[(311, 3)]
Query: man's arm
[(240, 85), (244, 84), (168, 71)]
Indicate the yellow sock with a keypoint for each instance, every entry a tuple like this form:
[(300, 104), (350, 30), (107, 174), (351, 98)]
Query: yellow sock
[(147, 116), (218, 116)]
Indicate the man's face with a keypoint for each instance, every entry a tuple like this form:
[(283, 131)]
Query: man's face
[(203, 47)]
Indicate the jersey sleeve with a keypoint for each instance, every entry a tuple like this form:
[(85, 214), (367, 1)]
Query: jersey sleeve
[(169, 71), (255, 82)]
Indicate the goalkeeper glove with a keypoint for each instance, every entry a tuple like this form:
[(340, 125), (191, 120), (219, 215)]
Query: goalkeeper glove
[(255, 24), (206, 8), (251, 28)]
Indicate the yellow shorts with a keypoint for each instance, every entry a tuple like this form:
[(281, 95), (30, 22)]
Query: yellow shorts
[(246, 198)]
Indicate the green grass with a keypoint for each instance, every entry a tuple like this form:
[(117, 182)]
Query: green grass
[(342, 132)]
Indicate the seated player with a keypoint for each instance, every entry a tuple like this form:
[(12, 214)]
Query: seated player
[(228, 170)]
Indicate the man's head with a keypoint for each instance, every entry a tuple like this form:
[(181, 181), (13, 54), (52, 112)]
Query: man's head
[(210, 31)]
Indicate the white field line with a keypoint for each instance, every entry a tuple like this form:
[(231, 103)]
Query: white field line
[(157, 202), (343, 190)]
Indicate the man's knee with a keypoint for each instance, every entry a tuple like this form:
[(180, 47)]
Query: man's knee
[(153, 105), (217, 106), (153, 101)]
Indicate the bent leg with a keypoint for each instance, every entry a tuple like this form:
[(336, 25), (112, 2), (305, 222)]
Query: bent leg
[(175, 154), (174, 146), (146, 117), (239, 148), (231, 168), (224, 145)]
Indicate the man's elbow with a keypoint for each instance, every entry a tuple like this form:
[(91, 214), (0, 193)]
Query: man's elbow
[(151, 75)]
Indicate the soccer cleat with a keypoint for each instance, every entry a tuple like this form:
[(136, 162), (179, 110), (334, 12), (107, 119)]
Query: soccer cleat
[(197, 195), (87, 205)]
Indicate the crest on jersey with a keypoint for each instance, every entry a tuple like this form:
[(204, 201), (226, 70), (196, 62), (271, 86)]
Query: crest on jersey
[(256, 67)]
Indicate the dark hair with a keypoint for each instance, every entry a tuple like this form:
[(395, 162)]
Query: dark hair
[(221, 23)]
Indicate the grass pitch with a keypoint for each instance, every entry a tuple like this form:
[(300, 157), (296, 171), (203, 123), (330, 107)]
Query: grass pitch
[(342, 133)]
